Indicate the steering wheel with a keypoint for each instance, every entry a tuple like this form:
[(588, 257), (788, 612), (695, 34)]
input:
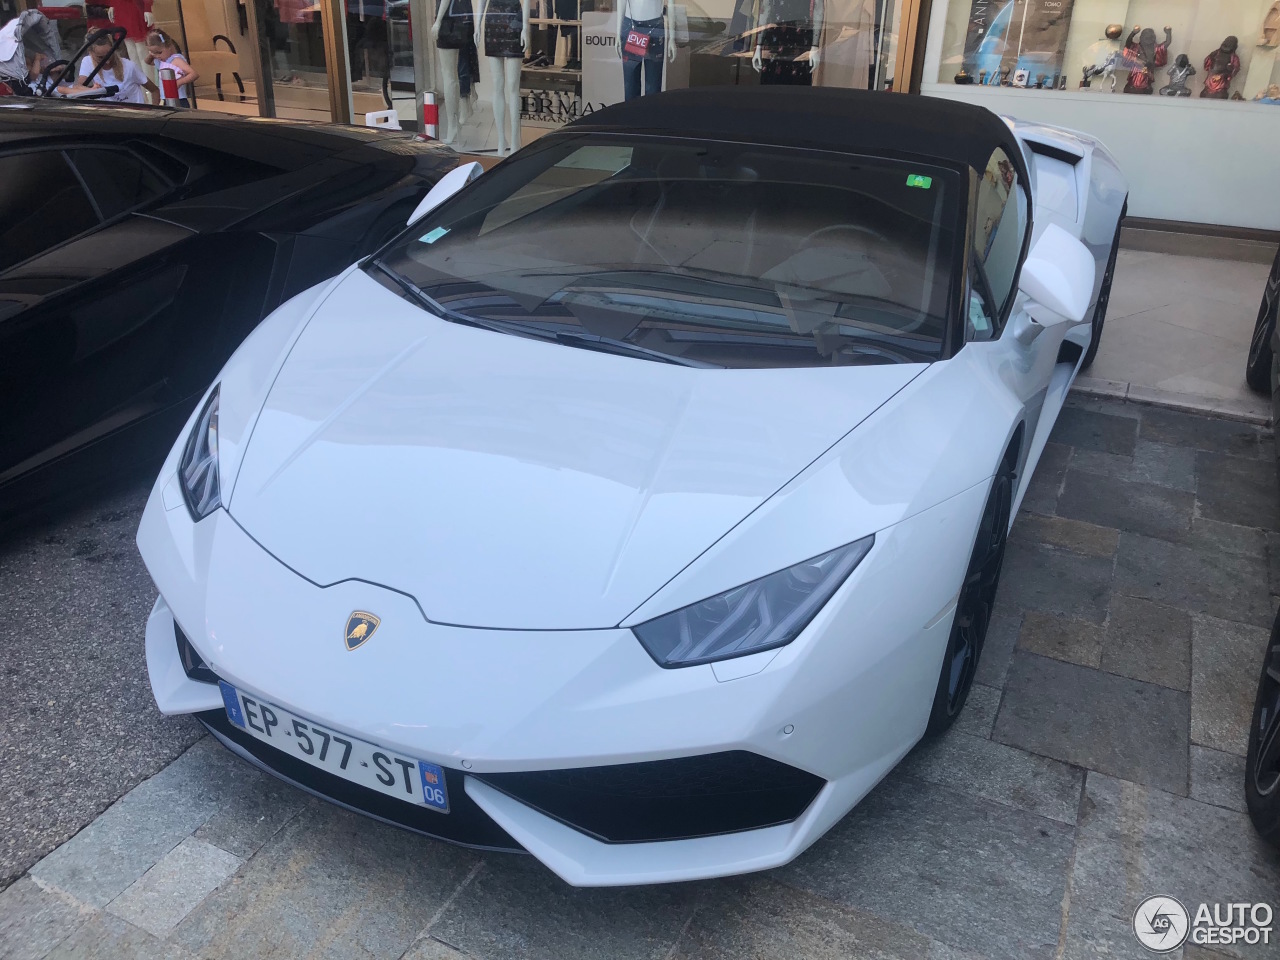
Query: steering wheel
[(841, 228)]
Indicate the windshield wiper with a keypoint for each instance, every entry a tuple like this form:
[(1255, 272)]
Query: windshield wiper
[(453, 316), (591, 341)]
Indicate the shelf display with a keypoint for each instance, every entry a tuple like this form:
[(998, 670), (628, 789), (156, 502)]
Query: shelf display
[(1177, 48)]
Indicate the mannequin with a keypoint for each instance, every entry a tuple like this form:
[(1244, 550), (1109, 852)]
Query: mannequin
[(1221, 67), (135, 16), (643, 24), (452, 31), (787, 27), (502, 32)]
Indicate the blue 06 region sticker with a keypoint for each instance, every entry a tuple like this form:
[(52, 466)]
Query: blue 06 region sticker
[(434, 792)]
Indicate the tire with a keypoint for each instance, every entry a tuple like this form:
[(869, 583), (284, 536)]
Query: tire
[(1257, 371), (977, 597), (1262, 765), (1104, 296)]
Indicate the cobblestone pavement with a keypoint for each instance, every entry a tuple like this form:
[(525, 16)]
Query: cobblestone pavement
[(1099, 761)]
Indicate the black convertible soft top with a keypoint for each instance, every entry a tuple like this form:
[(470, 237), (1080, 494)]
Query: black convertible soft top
[(856, 121)]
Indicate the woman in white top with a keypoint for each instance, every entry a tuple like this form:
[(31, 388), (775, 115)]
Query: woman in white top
[(116, 72)]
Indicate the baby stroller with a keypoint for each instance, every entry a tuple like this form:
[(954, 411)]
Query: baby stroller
[(31, 38)]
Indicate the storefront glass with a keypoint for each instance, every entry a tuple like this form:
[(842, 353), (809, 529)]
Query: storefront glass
[(547, 62), (1182, 91)]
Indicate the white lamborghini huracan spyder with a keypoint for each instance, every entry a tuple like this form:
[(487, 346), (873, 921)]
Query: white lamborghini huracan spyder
[(644, 502)]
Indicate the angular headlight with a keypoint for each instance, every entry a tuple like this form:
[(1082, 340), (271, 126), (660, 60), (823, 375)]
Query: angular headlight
[(198, 469), (759, 615)]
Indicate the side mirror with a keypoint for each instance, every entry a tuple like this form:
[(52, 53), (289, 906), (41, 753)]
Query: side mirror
[(1057, 279), (446, 187)]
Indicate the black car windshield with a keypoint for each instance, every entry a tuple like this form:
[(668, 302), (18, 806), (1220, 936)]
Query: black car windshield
[(695, 252)]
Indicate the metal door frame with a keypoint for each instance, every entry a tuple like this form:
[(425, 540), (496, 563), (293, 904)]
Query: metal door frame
[(333, 31)]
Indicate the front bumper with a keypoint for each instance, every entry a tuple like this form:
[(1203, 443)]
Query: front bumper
[(836, 709)]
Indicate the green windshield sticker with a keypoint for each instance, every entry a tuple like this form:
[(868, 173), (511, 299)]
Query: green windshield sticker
[(918, 180), (435, 235)]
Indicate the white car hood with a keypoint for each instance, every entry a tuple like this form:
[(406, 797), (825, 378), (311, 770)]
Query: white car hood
[(510, 483)]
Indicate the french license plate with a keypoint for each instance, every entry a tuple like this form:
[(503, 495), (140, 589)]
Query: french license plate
[(414, 781)]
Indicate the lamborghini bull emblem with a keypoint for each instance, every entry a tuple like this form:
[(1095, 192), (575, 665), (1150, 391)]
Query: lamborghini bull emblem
[(360, 627)]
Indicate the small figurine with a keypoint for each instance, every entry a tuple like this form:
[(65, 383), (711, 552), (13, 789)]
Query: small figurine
[(1100, 58), (1221, 67), (1143, 56), (1269, 95), (1270, 35), (1179, 74)]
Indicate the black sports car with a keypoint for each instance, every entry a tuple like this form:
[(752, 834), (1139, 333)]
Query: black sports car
[(1262, 776), (1259, 371), (138, 247)]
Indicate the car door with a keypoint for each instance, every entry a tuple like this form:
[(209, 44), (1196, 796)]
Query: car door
[(1001, 235), (87, 288)]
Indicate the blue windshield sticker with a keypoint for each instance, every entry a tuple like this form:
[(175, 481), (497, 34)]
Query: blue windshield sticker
[(435, 235)]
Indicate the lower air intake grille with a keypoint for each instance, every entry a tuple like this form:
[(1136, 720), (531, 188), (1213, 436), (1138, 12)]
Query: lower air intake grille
[(667, 799)]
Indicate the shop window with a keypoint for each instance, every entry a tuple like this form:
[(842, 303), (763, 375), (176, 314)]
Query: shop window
[(44, 205), (1219, 50), (1000, 229), (584, 55), (118, 180)]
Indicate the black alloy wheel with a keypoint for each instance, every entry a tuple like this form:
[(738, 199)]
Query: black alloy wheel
[(977, 597), (1262, 765), (1257, 371), (1104, 296)]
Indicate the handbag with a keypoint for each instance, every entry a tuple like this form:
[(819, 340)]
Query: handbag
[(637, 43)]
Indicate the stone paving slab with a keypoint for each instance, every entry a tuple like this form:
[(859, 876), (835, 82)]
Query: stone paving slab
[(1098, 762), (160, 899), (1134, 840), (950, 866), (1096, 720), (1221, 585), (1000, 773), (1149, 642), (1226, 658), (34, 920)]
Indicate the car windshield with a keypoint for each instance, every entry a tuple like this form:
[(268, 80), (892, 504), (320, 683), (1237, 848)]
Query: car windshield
[(695, 252)]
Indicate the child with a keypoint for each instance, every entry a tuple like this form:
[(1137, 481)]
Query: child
[(163, 52), (116, 71)]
